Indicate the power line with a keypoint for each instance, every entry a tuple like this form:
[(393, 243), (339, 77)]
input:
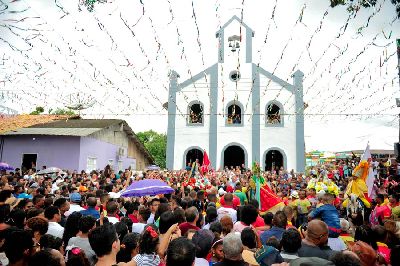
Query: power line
[(222, 114)]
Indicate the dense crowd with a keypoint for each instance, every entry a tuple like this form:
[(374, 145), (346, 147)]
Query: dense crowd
[(78, 219)]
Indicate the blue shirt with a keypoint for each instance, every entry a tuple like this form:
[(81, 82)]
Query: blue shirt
[(329, 214), (274, 231), (24, 196), (91, 212)]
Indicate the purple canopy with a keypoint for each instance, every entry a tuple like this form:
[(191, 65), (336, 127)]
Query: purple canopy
[(5, 166), (147, 187)]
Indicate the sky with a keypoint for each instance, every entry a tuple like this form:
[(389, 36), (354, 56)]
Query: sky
[(115, 60)]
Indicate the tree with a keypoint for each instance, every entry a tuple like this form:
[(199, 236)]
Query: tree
[(38, 110), (156, 144), (355, 5), (60, 111)]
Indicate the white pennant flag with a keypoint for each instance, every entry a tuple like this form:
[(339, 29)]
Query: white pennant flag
[(371, 177)]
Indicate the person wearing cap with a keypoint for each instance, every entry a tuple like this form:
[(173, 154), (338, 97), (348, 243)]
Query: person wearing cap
[(83, 188), (75, 200), (302, 205)]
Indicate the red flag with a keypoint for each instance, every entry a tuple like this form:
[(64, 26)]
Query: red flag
[(206, 163), (270, 202)]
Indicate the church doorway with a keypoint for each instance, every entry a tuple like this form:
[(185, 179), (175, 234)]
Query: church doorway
[(234, 156), (273, 160), (194, 154)]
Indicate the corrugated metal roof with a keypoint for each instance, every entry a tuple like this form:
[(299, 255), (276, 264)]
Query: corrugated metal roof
[(79, 132), (15, 122)]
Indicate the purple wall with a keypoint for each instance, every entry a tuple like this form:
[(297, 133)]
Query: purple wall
[(103, 151), (58, 151), (61, 151)]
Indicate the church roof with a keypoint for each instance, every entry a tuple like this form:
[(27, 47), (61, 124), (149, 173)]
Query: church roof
[(229, 22)]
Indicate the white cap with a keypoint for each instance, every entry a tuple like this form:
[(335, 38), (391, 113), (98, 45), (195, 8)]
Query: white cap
[(320, 193), (221, 191)]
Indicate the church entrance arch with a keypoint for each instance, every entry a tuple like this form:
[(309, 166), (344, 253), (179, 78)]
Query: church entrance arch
[(192, 154), (234, 155), (274, 160)]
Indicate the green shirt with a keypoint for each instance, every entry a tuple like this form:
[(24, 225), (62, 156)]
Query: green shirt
[(241, 196)]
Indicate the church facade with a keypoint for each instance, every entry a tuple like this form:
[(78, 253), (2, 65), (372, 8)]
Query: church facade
[(236, 111)]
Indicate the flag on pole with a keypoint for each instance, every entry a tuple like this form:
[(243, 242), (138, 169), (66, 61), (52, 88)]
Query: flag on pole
[(206, 163), (371, 177), (269, 201)]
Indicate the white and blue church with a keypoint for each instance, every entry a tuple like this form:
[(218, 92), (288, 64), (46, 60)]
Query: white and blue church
[(236, 111)]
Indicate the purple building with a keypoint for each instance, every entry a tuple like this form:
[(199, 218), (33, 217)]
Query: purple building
[(74, 144)]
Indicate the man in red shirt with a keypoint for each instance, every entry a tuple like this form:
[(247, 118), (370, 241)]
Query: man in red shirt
[(235, 201), (192, 215), (132, 211)]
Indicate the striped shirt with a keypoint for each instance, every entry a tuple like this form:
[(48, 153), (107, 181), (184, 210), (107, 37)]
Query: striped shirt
[(147, 259)]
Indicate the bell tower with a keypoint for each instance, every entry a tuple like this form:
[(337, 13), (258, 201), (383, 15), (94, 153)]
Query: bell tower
[(235, 42)]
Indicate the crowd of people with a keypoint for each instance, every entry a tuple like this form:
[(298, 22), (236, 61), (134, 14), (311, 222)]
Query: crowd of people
[(210, 219)]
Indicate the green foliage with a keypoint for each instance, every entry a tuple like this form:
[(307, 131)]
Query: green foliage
[(60, 111), (355, 5), (156, 144), (37, 111), (90, 4)]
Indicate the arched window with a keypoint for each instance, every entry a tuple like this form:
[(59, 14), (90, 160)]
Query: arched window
[(274, 114), (234, 115), (195, 113)]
